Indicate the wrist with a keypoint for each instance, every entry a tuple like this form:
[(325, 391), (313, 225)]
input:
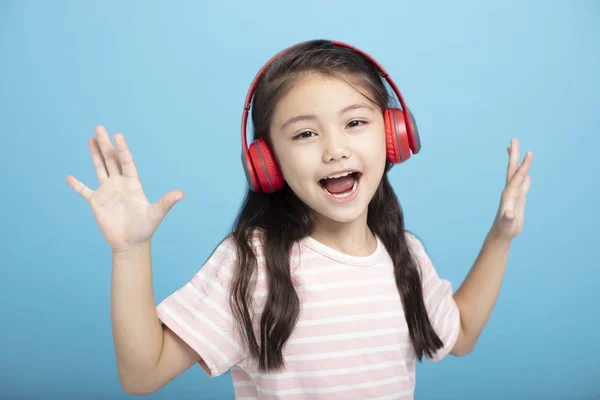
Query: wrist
[(496, 239), (132, 249)]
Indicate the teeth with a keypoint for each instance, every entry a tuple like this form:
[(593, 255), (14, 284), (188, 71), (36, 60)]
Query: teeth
[(339, 175)]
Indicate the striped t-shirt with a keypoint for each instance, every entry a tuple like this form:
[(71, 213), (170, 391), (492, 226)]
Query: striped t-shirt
[(351, 340)]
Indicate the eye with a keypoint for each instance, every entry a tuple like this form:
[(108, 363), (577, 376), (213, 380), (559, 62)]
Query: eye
[(356, 123), (303, 135)]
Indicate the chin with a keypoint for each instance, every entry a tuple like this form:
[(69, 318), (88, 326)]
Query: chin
[(342, 217)]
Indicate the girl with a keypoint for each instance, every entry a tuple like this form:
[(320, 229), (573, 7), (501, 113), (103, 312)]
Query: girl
[(319, 291)]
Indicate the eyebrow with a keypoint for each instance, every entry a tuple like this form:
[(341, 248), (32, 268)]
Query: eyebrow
[(309, 117)]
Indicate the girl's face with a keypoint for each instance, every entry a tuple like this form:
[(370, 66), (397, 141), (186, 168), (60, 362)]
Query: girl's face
[(324, 128)]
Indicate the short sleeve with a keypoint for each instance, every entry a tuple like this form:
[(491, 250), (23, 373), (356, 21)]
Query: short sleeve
[(439, 300), (200, 314)]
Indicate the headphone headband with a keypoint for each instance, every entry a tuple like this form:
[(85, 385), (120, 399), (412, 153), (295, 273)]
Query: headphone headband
[(260, 165), (250, 94)]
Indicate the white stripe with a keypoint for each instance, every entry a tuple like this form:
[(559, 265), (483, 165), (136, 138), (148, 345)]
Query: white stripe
[(200, 316), (222, 269), (256, 320), (319, 271), (332, 389), (244, 384), (435, 309), (211, 302), (442, 318), (433, 291), (444, 332), (261, 276), (330, 372), (450, 319), (428, 278), (344, 284), (341, 268), (334, 285), (348, 353), (394, 396), (350, 318), (226, 360), (206, 279), (294, 261), (350, 300), (355, 335)]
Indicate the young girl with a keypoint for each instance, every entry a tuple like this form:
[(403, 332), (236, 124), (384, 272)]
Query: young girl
[(319, 292)]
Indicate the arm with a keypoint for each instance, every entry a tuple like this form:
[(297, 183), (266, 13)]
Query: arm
[(478, 294), (149, 355)]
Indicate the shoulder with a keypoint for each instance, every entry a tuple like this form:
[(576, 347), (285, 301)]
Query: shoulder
[(235, 250), (228, 249), (224, 252), (414, 243), (216, 269), (419, 253)]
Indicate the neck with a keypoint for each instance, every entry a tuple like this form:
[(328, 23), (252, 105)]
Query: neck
[(353, 238)]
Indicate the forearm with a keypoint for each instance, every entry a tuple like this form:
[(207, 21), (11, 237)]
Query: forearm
[(137, 332), (477, 296)]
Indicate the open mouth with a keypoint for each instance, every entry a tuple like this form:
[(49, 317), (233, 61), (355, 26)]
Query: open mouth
[(341, 186)]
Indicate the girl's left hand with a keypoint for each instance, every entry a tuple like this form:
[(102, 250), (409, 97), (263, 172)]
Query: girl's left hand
[(509, 219)]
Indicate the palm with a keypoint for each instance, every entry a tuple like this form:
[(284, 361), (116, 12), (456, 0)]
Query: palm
[(123, 213), (511, 212)]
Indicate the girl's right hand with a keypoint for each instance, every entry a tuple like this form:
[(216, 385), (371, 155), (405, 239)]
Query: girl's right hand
[(124, 214)]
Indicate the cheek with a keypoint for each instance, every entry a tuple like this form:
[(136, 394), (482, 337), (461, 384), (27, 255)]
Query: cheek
[(297, 169), (292, 163), (374, 146)]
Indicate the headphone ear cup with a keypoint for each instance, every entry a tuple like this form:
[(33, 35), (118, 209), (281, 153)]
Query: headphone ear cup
[(414, 139), (251, 177), (267, 171), (396, 134)]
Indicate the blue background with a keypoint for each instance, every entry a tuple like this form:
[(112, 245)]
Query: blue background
[(173, 77)]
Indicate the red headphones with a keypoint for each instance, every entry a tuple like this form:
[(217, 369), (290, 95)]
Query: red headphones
[(263, 173)]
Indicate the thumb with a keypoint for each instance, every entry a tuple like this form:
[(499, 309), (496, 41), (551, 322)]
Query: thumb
[(504, 222), (508, 215), (159, 209)]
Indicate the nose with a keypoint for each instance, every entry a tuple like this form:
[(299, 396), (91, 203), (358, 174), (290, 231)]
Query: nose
[(335, 149)]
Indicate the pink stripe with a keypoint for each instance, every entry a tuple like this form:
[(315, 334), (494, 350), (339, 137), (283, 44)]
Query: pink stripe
[(351, 340)]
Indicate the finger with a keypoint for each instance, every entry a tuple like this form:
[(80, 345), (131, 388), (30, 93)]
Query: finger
[(525, 185), (97, 159), (513, 159), (164, 205), (79, 187), (520, 200), (109, 153), (522, 196), (519, 196), (522, 171), (125, 157)]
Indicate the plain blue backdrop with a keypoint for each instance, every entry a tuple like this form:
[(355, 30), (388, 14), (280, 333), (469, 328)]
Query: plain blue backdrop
[(172, 76)]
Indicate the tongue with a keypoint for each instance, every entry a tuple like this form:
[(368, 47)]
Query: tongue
[(339, 185)]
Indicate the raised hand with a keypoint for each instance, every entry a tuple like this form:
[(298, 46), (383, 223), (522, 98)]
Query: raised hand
[(511, 213), (123, 213)]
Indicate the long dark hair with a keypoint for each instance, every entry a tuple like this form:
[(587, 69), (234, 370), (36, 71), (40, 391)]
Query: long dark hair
[(281, 218)]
